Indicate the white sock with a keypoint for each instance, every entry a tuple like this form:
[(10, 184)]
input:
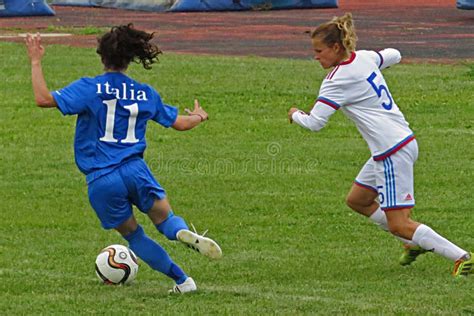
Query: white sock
[(428, 239), (380, 219)]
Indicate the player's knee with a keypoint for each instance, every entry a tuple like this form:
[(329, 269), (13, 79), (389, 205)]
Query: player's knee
[(354, 203), (128, 227)]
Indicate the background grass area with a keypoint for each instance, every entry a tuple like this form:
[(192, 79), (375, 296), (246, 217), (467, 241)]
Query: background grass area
[(82, 30), (272, 194)]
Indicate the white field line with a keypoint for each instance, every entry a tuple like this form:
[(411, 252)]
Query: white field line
[(42, 35)]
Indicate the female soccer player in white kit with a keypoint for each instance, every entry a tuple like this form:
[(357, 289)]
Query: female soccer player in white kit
[(383, 189)]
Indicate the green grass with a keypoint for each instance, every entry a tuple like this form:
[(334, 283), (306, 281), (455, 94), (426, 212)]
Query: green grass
[(271, 193), (76, 30), (85, 30)]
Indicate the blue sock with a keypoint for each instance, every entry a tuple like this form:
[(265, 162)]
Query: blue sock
[(171, 226), (154, 255)]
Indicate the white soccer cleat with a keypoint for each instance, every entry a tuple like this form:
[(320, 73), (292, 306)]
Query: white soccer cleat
[(201, 244), (187, 286)]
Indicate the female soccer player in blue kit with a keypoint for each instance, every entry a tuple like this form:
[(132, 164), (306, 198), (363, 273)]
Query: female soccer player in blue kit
[(383, 190), (112, 114)]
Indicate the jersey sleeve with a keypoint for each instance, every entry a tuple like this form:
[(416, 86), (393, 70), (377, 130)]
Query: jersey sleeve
[(73, 99), (331, 95), (165, 114), (330, 100), (389, 57), (316, 119), (384, 58)]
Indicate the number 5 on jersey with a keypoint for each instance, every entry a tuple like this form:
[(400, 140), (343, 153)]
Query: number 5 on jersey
[(110, 123), (379, 89)]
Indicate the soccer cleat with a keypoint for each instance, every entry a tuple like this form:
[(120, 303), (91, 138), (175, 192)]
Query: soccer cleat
[(410, 253), (187, 286), (464, 266), (199, 243)]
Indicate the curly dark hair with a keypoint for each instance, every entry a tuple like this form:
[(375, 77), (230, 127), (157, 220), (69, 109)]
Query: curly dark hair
[(124, 44)]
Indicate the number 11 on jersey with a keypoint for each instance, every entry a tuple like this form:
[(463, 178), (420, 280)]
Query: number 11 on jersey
[(110, 123)]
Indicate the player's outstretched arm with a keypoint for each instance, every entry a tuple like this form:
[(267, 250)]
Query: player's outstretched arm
[(36, 52), (193, 119), (314, 120)]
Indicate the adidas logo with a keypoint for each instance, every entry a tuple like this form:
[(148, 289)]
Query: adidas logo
[(408, 197)]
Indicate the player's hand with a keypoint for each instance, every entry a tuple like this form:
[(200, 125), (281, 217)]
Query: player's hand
[(290, 114), (198, 111), (34, 47)]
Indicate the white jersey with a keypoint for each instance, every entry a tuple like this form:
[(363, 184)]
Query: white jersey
[(358, 88)]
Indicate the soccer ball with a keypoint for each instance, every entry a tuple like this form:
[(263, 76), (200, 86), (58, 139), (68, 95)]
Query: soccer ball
[(116, 264)]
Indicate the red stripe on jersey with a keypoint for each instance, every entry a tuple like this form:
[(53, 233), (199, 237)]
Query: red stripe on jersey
[(395, 208), (350, 60), (334, 106), (394, 149), (330, 73), (333, 72)]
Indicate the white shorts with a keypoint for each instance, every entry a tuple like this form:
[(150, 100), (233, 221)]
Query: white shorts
[(392, 178)]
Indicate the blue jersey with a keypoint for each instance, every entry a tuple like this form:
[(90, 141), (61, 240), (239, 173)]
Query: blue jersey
[(113, 111)]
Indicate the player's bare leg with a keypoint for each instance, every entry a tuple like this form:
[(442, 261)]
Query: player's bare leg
[(127, 227), (364, 201), (400, 224), (160, 211)]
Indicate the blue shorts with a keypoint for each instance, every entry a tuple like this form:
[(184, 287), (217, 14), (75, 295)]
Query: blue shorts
[(113, 194)]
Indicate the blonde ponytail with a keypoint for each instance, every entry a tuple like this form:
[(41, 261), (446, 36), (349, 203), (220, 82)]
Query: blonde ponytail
[(339, 30), (348, 36)]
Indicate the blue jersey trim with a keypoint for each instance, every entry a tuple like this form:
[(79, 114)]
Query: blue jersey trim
[(394, 187), (366, 186), (388, 195), (390, 187), (329, 102)]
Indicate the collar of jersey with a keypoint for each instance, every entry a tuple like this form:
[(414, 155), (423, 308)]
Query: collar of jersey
[(350, 60)]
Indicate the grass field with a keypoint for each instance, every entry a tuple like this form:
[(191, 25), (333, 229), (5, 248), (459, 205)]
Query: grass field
[(272, 194)]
